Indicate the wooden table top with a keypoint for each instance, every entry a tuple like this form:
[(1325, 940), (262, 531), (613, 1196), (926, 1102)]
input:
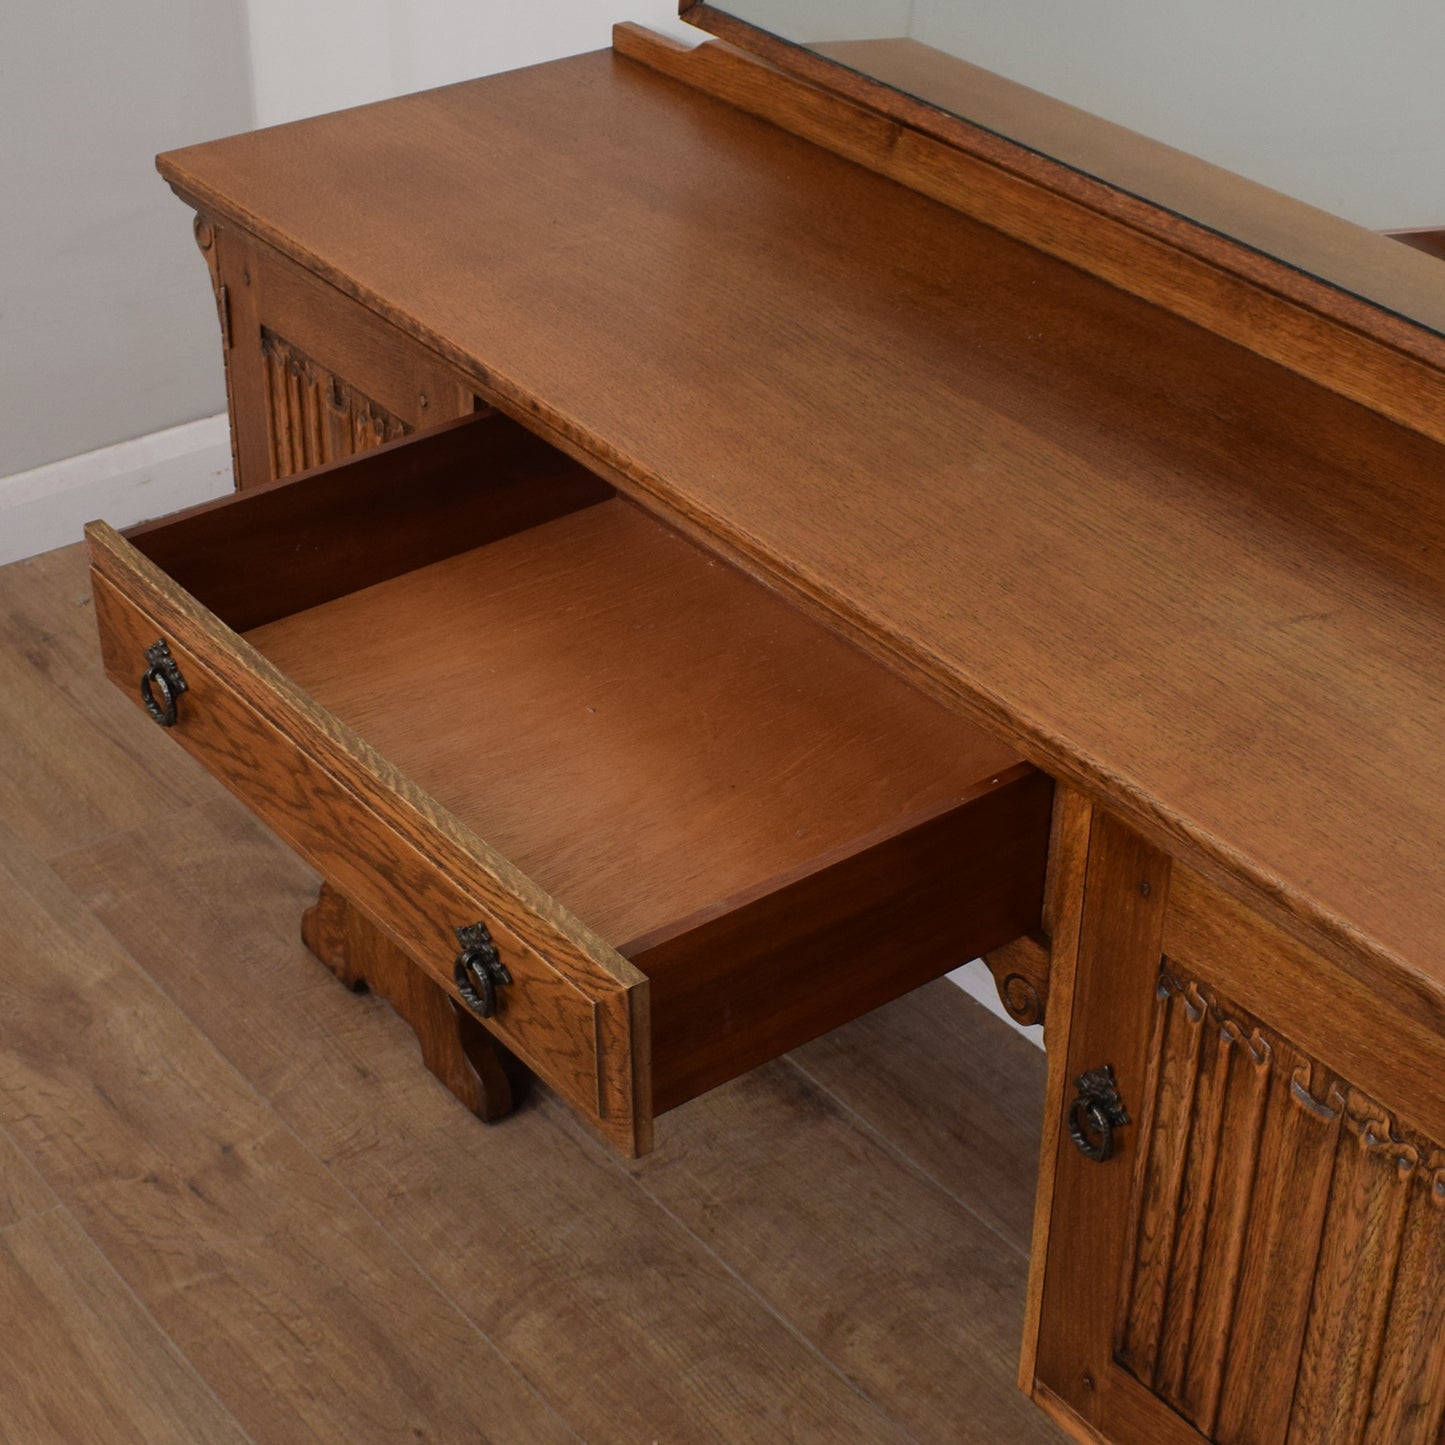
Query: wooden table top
[(1174, 573)]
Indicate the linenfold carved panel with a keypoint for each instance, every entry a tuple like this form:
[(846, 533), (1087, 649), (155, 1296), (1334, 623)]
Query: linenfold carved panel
[(314, 416), (1286, 1280)]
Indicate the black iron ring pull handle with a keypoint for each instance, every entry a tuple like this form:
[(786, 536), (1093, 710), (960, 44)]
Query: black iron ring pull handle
[(161, 685), (479, 970), (1095, 1113)]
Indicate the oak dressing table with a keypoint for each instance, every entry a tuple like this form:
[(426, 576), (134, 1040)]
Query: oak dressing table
[(710, 556)]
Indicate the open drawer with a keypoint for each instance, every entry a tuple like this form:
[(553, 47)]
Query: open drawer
[(470, 684)]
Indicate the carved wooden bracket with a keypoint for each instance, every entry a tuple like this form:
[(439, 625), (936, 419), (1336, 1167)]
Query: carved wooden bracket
[(1021, 974)]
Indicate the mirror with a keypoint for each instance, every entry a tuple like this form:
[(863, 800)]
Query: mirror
[(1335, 104)]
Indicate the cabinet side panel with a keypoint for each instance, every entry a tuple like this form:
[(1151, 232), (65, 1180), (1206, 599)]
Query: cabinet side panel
[(1063, 915), (312, 376)]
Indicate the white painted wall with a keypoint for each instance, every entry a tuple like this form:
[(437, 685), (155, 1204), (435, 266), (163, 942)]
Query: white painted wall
[(106, 324), (815, 22), (311, 56)]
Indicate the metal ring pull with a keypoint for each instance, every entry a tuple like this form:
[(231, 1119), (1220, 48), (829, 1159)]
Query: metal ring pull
[(479, 970), (161, 685), (1095, 1113)]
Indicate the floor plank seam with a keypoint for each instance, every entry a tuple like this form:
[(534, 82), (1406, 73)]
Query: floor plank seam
[(865, 1126), (33, 1215), (284, 1124), (142, 1309), (558, 1109)]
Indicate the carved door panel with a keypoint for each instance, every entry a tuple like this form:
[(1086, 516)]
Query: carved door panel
[(1286, 1274), (1261, 1259), (313, 415)]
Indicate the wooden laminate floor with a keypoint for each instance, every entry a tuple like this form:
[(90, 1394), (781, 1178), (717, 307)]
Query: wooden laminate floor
[(233, 1206)]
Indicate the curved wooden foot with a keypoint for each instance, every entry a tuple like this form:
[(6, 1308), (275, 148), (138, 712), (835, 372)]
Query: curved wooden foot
[(1021, 974), (454, 1045)]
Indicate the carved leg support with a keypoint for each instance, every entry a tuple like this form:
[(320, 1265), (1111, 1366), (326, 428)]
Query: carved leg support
[(1021, 974), (454, 1045)]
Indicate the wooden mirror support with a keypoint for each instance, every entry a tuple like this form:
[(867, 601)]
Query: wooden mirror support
[(1251, 273)]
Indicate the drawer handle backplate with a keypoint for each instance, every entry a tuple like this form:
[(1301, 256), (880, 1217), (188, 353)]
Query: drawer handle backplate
[(1095, 1113), (161, 684), (479, 970)]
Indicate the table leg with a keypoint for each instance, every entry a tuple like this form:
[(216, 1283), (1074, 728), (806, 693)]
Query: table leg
[(454, 1045)]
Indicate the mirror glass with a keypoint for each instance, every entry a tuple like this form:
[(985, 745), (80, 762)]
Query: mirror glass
[(1334, 103)]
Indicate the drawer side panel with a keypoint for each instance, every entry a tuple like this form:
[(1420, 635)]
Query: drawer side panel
[(765, 976)]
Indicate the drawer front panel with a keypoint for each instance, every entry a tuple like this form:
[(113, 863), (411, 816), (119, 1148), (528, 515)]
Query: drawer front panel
[(574, 1014)]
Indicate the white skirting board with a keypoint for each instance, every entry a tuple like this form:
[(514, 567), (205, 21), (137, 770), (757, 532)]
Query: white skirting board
[(127, 483)]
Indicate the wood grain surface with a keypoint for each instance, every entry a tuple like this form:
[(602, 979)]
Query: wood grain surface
[(454, 1045), (779, 833), (853, 930), (343, 1280), (310, 374), (1279, 1239), (1085, 169), (299, 542), (1368, 352), (1063, 914), (88, 1361), (185, 1180), (745, 1200), (1110, 1023), (1429, 239), (638, 728), (314, 416), (1270, 974), (1180, 576), (580, 1016)]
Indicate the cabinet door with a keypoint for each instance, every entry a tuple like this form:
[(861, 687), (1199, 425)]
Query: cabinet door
[(1261, 1258)]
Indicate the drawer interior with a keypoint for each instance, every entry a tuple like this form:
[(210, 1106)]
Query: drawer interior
[(779, 832), (642, 730)]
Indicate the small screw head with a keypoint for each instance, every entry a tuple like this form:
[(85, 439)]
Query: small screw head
[(1088, 1381), (1144, 889), (423, 400), (245, 278)]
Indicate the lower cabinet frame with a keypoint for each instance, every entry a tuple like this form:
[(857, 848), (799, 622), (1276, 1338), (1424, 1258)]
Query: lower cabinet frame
[(1262, 1259)]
